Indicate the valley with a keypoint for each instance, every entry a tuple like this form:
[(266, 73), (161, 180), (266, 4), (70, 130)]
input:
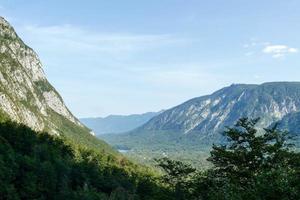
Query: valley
[(149, 100), (187, 131)]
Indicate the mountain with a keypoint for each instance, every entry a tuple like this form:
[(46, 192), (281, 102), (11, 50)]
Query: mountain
[(194, 125), (28, 98), (45, 152), (117, 123), (208, 115), (291, 123)]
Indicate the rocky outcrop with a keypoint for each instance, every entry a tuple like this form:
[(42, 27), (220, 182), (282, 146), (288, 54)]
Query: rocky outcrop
[(209, 115), (25, 94)]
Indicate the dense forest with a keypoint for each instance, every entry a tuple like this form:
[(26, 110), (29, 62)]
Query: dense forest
[(39, 166), (249, 166)]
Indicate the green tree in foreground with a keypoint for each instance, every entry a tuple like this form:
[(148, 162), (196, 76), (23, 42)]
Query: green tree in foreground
[(177, 176), (254, 165), (247, 152)]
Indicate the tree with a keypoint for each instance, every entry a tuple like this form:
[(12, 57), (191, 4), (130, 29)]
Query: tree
[(40, 166), (177, 176), (254, 165)]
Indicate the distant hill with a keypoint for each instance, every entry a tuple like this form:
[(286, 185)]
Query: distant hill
[(117, 123), (196, 124)]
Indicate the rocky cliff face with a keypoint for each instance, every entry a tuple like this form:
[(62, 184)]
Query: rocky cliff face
[(27, 97), (291, 123), (209, 115), (187, 131), (25, 94)]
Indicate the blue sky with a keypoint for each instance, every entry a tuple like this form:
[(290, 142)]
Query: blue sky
[(122, 57)]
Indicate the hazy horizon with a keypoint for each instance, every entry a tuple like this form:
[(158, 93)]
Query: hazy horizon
[(134, 57)]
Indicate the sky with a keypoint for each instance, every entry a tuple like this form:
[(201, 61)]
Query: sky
[(124, 57)]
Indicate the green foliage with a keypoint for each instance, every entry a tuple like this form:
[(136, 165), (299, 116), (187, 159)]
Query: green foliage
[(144, 147), (247, 152), (182, 132), (177, 176), (79, 135), (44, 86), (251, 165), (39, 166)]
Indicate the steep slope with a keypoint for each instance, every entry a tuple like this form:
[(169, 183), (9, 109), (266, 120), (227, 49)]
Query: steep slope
[(27, 97), (210, 114), (291, 123), (188, 129), (117, 123), (36, 165)]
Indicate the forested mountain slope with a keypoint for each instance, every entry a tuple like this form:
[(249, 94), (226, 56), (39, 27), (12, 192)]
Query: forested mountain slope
[(190, 128), (207, 115), (36, 165)]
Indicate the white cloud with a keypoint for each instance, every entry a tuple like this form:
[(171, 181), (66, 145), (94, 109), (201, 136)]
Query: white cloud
[(73, 38), (279, 51), (276, 51)]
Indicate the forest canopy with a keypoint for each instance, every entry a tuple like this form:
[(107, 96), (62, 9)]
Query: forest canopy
[(249, 166)]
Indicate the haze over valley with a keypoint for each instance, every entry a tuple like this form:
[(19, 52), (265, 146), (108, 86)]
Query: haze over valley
[(149, 100)]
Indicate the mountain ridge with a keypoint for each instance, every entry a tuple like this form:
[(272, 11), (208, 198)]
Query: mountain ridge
[(188, 130), (117, 123), (27, 97), (235, 92)]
